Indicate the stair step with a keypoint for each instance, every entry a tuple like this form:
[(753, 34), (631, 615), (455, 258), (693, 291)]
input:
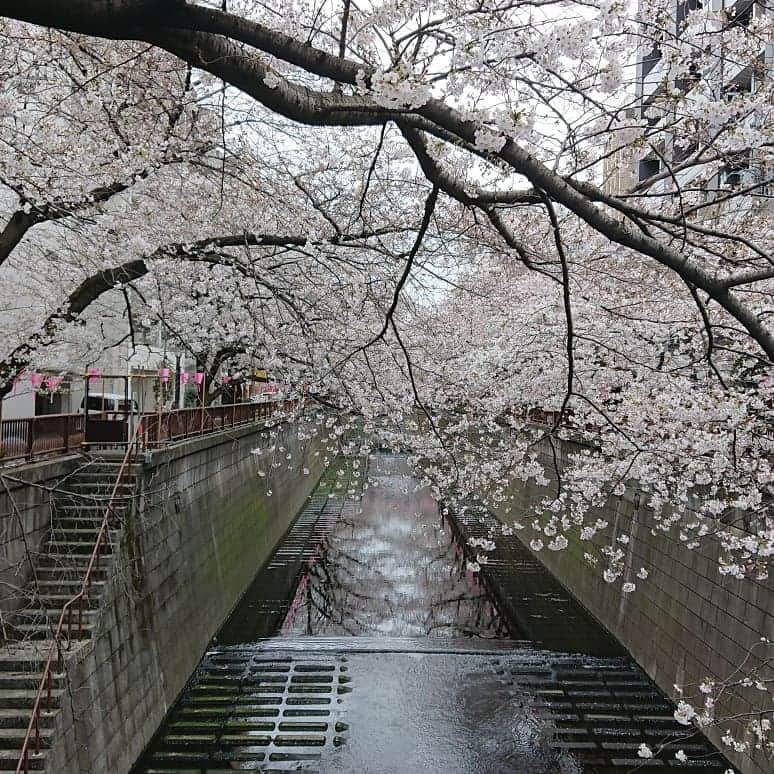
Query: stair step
[(13, 738), (80, 534), (95, 499), (83, 487), (58, 601), (25, 699), (9, 760), (23, 680), (20, 718), (32, 614), (69, 586), (92, 523), (87, 508), (42, 632), (106, 472), (69, 547), (58, 573)]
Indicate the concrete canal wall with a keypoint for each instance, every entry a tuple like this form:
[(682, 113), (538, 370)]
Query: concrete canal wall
[(204, 523), (685, 622)]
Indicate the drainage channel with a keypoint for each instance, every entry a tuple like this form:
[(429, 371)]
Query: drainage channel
[(364, 645)]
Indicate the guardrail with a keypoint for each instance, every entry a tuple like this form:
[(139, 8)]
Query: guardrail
[(170, 426), (54, 434), (70, 618), (40, 436)]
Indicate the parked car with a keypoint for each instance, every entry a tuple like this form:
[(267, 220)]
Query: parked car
[(113, 404)]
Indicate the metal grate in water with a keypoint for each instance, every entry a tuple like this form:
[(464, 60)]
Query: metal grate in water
[(601, 709), (302, 543), (538, 607), (267, 600), (253, 711)]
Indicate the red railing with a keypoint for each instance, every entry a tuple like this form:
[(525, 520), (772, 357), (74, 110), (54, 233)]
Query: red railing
[(40, 436), (72, 612), (168, 426), (543, 416), (52, 434)]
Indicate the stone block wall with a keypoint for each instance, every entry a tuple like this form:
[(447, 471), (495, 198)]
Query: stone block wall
[(25, 520), (206, 522), (685, 622)]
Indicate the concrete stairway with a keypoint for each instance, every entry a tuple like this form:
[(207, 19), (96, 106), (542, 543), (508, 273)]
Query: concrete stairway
[(59, 567)]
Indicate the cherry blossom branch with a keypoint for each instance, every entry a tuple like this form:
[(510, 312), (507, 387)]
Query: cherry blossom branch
[(208, 38)]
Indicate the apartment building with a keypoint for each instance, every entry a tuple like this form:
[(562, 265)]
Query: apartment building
[(673, 157)]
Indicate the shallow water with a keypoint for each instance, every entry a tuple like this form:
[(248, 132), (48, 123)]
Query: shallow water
[(364, 646), (390, 568)]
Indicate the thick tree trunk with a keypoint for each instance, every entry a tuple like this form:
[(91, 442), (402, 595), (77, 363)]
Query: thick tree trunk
[(13, 233)]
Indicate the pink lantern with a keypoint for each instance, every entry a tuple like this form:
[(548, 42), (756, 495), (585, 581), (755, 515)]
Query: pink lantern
[(184, 376), (53, 383), (93, 374), (36, 380), (198, 378), (226, 378), (164, 375)]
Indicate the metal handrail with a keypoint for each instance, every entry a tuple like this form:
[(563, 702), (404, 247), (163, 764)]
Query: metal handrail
[(66, 623), (21, 439), (45, 434), (177, 425)]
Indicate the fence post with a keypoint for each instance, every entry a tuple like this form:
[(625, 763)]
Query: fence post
[(30, 436), (67, 433)]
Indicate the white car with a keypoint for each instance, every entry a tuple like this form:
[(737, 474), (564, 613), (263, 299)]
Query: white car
[(111, 403)]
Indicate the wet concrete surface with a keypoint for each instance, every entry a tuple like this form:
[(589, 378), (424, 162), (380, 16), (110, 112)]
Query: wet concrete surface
[(364, 646)]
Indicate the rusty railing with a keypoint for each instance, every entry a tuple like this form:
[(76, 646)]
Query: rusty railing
[(54, 434), (40, 436), (169, 426)]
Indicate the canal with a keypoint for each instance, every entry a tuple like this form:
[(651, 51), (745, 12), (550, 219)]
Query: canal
[(366, 645)]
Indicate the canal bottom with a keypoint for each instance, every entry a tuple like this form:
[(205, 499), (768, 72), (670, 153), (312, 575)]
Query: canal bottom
[(365, 645)]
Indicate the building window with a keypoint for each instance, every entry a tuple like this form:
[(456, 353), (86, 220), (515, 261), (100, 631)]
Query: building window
[(736, 171), (742, 84), (146, 333), (648, 168), (683, 152), (650, 60), (741, 14), (684, 7)]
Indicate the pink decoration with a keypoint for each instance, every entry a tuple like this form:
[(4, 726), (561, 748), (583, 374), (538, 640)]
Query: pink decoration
[(226, 378), (198, 378), (36, 380), (184, 376), (164, 375), (53, 383), (94, 374)]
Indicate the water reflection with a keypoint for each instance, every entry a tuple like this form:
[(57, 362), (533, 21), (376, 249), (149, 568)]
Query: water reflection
[(386, 686), (390, 568)]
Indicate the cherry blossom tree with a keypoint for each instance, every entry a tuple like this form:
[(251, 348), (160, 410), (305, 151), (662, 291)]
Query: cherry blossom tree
[(424, 211)]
